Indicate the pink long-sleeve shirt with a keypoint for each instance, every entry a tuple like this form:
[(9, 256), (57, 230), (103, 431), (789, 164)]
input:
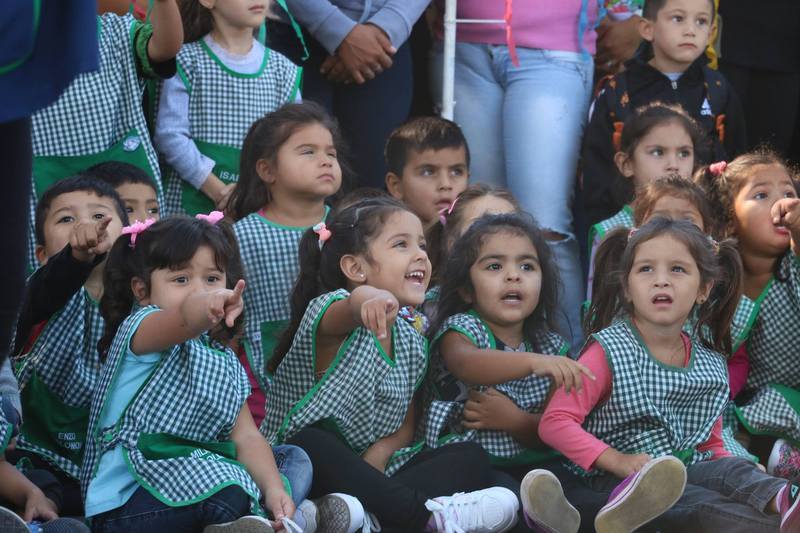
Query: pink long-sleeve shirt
[(561, 425)]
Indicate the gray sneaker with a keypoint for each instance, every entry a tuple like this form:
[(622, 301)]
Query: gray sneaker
[(333, 513), (245, 524)]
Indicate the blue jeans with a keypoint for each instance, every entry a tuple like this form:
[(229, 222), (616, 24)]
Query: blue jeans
[(525, 125), (295, 465)]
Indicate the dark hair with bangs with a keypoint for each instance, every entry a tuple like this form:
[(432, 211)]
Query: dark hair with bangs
[(718, 263), (169, 243), (673, 186), (420, 134), (81, 182), (456, 279), (264, 139), (652, 7), (117, 173), (352, 230)]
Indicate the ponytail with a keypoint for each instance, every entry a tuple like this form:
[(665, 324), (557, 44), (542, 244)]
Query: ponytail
[(117, 300), (608, 285), (714, 316)]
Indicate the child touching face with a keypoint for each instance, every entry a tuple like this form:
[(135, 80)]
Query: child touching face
[(428, 161), (134, 186)]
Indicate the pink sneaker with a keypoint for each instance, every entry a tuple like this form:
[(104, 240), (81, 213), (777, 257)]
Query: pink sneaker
[(784, 461), (788, 508), (643, 496)]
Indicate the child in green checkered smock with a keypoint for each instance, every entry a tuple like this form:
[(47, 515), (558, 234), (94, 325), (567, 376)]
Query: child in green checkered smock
[(657, 140), (56, 360), (347, 371), (290, 166), (99, 117), (169, 432), (226, 81), (494, 356), (756, 197), (475, 201), (647, 433)]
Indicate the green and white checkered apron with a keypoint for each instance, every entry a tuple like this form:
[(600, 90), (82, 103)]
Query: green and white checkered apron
[(362, 397), (271, 265), (444, 417), (175, 432), (623, 219), (772, 393), (57, 379), (99, 117), (654, 408), (6, 429), (223, 104)]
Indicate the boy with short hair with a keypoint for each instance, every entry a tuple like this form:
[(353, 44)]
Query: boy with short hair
[(58, 365), (428, 162), (134, 186), (670, 67)]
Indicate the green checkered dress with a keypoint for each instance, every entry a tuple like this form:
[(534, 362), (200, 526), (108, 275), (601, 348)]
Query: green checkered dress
[(363, 396), (623, 219), (654, 408), (99, 116), (6, 429), (175, 432), (444, 417), (57, 379), (271, 264), (772, 393), (222, 106)]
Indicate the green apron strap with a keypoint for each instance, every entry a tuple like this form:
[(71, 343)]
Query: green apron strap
[(297, 30)]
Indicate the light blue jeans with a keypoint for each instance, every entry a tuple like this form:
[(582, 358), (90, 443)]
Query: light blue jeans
[(295, 465), (524, 126)]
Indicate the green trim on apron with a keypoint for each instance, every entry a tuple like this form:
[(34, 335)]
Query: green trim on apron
[(598, 231), (47, 170), (792, 398), (226, 168), (52, 425), (271, 331), (30, 43), (296, 27), (233, 73)]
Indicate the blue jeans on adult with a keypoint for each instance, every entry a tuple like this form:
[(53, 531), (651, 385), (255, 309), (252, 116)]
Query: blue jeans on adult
[(143, 512), (525, 125)]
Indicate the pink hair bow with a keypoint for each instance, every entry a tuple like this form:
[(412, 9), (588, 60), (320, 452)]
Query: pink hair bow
[(136, 228), (212, 218), (446, 212), (323, 232), (717, 168)]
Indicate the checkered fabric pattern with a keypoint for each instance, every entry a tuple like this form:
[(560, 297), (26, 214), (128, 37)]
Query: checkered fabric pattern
[(730, 426), (195, 393), (5, 432), (223, 103), (743, 320), (271, 264), (653, 408), (99, 108), (65, 358), (363, 394), (444, 418), (768, 412), (623, 219)]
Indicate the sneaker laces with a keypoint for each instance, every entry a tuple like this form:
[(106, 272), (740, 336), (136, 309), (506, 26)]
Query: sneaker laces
[(370, 523), (458, 514), (290, 525)]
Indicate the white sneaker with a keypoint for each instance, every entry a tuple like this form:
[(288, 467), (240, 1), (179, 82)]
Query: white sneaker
[(545, 508), (12, 522), (245, 524), (333, 513), (775, 456), (482, 511)]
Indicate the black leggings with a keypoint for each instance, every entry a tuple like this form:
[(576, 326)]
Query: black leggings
[(398, 501)]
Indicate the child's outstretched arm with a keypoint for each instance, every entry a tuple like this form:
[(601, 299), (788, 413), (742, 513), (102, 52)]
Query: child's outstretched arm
[(379, 453), (561, 425), (375, 309), (786, 213), (198, 313), (478, 366), (167, 35), (254, 452)]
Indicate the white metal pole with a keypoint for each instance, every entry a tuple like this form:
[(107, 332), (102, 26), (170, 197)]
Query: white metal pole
[(448, 76)]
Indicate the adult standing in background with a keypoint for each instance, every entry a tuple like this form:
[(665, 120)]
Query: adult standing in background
[(524, 118), (760, 56), (359, 67)]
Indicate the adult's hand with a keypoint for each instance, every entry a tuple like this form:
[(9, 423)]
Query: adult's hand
[(366, 52), (617, 41), (334, 70)]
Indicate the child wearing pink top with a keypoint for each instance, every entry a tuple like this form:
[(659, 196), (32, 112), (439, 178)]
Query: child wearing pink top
[(647, 432)]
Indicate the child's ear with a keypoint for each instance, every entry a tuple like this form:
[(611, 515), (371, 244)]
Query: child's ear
[(624, 164), (704, 292), (394, 184), (139, 289), (354, 268), (646, 29), (264, 171), (465, 295), (41, 254)]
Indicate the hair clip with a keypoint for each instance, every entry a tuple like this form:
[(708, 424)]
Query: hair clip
[(323, 232), (212, 218), (446, 212), (717, 168), (714, 244), (136, 228), (632, 232)]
